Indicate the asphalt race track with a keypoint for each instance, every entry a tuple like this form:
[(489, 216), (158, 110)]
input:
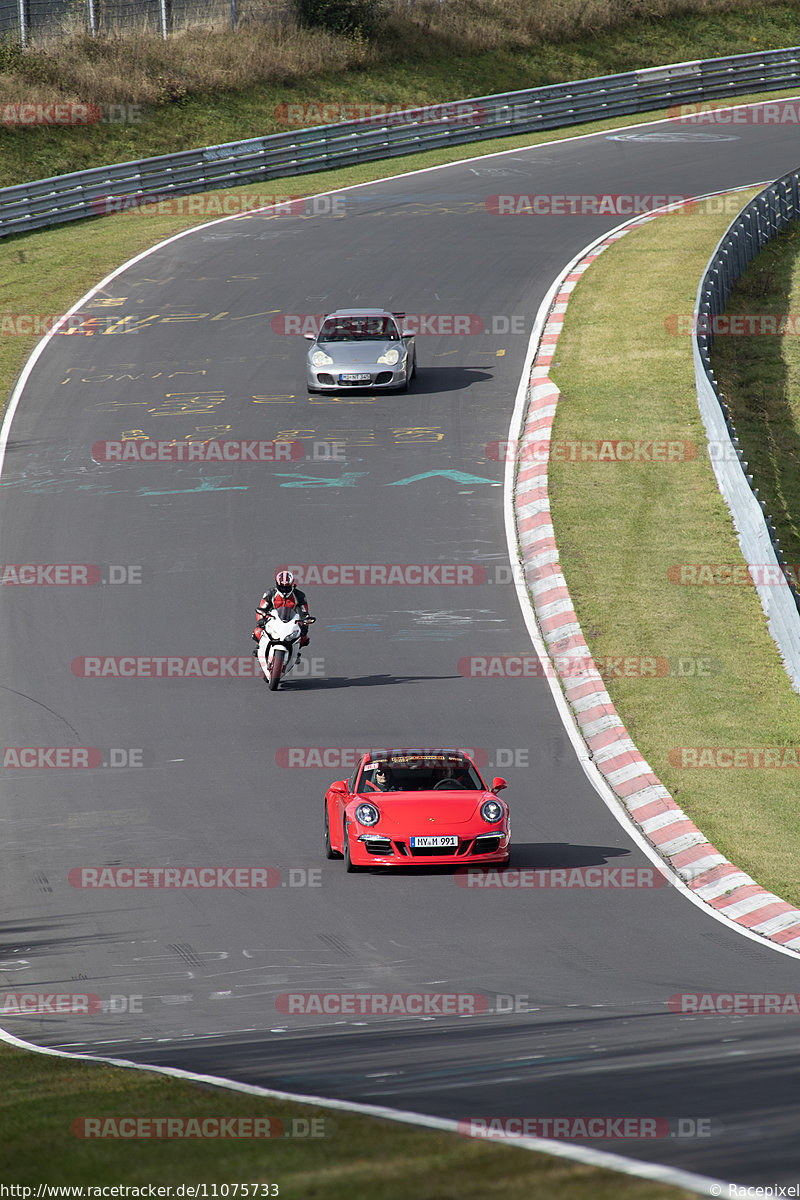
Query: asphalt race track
[(587, 974)]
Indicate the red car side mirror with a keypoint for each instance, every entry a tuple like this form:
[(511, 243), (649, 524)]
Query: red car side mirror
[(498, 784), (340, 787)]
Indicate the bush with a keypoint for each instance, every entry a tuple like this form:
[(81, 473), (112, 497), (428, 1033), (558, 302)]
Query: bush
[(350, 17)]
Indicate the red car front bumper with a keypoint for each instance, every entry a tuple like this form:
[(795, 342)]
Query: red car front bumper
[(474, 847)]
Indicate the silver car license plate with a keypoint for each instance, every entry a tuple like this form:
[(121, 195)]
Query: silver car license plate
[(355, 378)]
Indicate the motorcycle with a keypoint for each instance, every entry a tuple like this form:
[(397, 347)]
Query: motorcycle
[(279, 644)]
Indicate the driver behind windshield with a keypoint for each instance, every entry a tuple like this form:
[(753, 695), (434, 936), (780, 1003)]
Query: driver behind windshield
[(382, 780), (355, 329), (447, 776)]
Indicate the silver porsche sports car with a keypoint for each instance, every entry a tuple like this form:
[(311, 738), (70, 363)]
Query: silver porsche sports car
[(361, 348)]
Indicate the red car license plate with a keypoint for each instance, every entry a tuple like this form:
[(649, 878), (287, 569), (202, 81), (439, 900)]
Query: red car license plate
[(442, 840)]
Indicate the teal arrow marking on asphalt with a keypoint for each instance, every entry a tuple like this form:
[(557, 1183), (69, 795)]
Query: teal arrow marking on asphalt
[(347, 480), (456, 476), (212, 483)]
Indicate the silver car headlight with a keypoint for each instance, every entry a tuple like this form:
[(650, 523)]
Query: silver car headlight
[(492, 811), (367, 814), (390, 358), (320, 359)]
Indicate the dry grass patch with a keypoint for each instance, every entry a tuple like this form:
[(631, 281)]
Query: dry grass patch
[(147, 70), (268, 47), (492, 24)]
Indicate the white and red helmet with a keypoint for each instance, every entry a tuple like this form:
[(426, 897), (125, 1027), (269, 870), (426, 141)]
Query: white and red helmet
[(284, 582)]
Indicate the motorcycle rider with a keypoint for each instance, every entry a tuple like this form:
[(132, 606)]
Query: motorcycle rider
[(283, 593)]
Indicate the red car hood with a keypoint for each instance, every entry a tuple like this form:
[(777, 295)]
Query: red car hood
[(427, 809)]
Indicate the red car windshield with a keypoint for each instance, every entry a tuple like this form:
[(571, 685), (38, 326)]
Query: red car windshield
[(419, 773)]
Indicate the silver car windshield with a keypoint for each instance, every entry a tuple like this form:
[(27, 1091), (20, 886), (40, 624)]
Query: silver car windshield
[(359, 329)]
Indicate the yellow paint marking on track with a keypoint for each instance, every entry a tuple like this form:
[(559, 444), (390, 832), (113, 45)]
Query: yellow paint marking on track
[(418, 433)]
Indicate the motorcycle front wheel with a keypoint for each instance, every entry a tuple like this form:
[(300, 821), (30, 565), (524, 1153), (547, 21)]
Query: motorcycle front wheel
[(275, 670)]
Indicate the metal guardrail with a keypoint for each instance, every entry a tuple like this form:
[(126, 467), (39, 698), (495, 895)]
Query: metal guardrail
[(762, 219), (86, 193)]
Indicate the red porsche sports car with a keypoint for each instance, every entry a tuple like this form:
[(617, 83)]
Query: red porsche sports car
[(402, 807)]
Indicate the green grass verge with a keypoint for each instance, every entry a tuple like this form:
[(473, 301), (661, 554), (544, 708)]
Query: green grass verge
[(621, 526), (42, 1099), (409, 64)]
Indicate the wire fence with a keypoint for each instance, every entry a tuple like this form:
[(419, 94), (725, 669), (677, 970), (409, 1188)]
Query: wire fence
[(25, 21)]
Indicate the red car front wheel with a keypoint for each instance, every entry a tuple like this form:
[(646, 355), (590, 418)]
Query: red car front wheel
[(349, 865), (329, 850)]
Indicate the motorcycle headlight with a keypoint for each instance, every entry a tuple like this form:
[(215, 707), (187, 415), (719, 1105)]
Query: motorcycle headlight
[(367, 814), (492, 811), (320, 359), (390, 358)]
